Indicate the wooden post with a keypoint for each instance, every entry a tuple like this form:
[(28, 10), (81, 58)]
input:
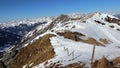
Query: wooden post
[(93, 52)]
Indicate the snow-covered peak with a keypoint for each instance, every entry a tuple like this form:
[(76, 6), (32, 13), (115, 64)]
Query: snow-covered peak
[(102, 15)]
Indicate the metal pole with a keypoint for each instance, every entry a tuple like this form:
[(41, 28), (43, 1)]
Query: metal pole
[(92, 55)]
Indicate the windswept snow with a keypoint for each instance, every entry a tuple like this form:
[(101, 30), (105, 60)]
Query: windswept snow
[(92, 28), (69, 51), (81, 50)]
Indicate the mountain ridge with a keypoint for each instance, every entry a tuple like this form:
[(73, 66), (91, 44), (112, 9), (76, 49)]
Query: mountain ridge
[(70, 34)]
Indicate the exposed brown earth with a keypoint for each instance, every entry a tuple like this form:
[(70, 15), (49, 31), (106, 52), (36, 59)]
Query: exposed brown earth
[(117, 61), (62, 18), (71, 35), (36, 53), (41, 50), (104, 40), (59, 65), (93, 41), (76, 37), (102, 63), (75, 65), (76, 18)]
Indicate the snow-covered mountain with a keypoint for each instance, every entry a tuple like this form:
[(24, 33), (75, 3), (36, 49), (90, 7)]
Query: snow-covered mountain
[(12, 32), (67, 41)]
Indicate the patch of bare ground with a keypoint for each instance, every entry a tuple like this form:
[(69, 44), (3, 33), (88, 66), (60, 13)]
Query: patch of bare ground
[(71, 35), (75, 65), (93, 41), (76, 37), (102, 63), (54, 65), (35, 53), (62, 18), (76, 18), (59, 65), (104, 40), (116, 62)]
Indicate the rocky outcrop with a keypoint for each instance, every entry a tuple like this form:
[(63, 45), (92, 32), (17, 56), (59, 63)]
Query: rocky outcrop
[(112, 20)]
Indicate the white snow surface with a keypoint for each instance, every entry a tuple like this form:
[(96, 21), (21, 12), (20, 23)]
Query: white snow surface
[(68, 51), (91, 28), (78, 52)]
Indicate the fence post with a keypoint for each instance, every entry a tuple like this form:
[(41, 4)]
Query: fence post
[(93, 52)]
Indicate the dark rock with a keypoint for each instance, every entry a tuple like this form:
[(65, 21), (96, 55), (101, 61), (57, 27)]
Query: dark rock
[(112, 20)]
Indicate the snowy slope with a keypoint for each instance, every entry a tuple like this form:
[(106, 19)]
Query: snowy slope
[(69, 51), (78, 52), (90, 29)]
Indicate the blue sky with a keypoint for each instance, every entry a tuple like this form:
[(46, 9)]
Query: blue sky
[(19, 9)]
